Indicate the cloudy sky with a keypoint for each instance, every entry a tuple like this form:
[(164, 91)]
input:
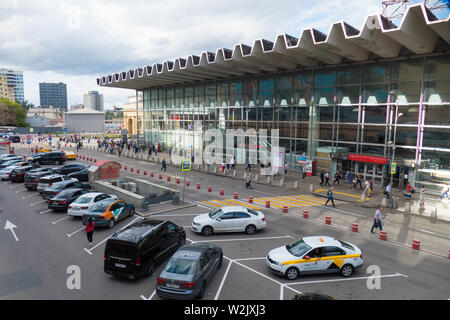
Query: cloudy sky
[(77, 41)]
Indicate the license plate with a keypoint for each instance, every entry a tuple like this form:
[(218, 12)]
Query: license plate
[(172, 285), (119, 265)]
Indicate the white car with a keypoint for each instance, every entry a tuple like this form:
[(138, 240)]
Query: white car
[(229, 219), (82, 204), (319, 254), (5, 156), (4, 173)]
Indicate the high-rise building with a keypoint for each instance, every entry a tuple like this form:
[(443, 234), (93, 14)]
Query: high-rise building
[(6, 90), (15, 80), (53, 94), (93, 100)]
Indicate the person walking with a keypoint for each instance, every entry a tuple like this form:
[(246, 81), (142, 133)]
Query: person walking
[(327, 179), (330, 197), (322, 177), (249, 166), (149, 152), (248, 185), (232, 163), (303, 172), (377, 220), (348, 177), (337, 177), (164, 165), (388, 191), (89, 230), (367, 188), (422, 196), (223, 167), (445, 192), (359, 181)]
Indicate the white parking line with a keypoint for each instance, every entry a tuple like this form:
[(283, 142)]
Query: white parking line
[(71, 234), (66, 217), (33, 204), (149, 298), (22, 191), (44, 212), (243, 239), (16, 186), (347, 279), (176, 215), (223, 280), (30, 196)]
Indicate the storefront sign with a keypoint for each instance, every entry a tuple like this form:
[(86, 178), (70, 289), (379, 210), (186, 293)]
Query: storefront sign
[(371, 159), (393, 168), (302, 160)]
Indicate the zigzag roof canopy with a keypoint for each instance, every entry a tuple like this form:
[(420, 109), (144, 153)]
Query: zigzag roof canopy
[(420, 32)]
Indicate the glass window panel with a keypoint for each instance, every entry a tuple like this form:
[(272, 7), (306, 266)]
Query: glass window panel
[(347, 114), (284, 90), (404, 153), (437, 68), (406, 136), (266, 91), (251, 113), (409, 114), (408, 92), (374, 94), (300, 146), (301, 113), (347, 95), (407, 70), (375, 114), (222, 93), (324, 114), (162, 98), (372, 150), (250, 92), (351, 148), (324, 96), (436, 114), (375, 72), (303, 88), (199, 94), (301, 130), (283, 113), (349, 75), (147, 94), (437, 91), (374, 134), (348, 132), (235, 92), (284, 129), (170, 97), (236, 113), (436, 138), (325, 78), (325, 131), (266, 113)]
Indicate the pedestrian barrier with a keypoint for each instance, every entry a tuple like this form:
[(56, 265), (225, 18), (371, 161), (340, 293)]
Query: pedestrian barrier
[(160, 176), (221, 192), (145, 173), (285, 209), (267, 204), (168, 178), (250, 199), (188, 183), (198, 186), (235, 195), (131, 169), (328, 220), (416, 244), (354, 227), (138, 171), (383, 235), (152, 174), (305, 214), (125, 168), (209, 188)]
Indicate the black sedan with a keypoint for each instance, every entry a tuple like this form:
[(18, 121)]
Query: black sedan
[(82, 175), (53, 190), (18, 174), (62, 200), (32, 177), (70, 167), (188, 272)]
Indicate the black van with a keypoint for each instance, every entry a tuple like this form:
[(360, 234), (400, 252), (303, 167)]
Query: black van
[(49, 157), (14, 139), (136, 250)]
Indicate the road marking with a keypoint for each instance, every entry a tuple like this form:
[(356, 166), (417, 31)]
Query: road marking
[(22, 191), (426, 231), (209, 208), (55, 222), (223, 280), (348, 279), (11, 187), (243, 204), (11, 227), (71, 234), (245, 259), (177, 215), (43, 212), (30, 196), (149, 298), (243, 239), (33, 204)]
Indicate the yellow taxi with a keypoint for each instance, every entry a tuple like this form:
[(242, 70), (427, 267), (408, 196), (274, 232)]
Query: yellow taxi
[(45, 149), (70, 155)]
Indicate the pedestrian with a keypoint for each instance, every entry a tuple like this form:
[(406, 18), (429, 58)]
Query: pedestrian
[(322, 177), (348, 177), (327, 179), (149, 152), (377, 220), (422, 196), (249, 166), (232, 163), (330, 197), (248, 185), (359, 181), (223, 167), (388, 191), (285, 168), (409, 191), (303, 172), (371, 185), (89, 230), (164, 165), (337, 177), (367, 188), (119, 151), (445, 192)]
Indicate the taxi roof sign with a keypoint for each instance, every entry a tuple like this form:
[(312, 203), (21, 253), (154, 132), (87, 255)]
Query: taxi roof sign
[(186, 165)]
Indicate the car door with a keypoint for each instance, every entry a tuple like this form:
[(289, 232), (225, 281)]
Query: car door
[(225, 222), (208, 256), (119, 211), (169, 235), (312, 261), (241, 220), (333, 259)]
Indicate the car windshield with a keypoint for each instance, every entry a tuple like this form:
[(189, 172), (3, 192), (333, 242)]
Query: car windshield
[(83, 199), (99, 207), (298, 248), (180, 266), (346, 245), (215, 214), (252, 212)]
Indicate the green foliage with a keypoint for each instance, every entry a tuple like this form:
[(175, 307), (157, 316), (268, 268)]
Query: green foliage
[(109, 115), (21, 114)]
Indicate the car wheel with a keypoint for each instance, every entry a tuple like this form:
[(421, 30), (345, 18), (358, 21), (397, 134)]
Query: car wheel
[(150, 269), (220, 262), (251, 229), (201, 294), (292, 273), (111, 223), (131, 213), (347, 270), (207, 231)]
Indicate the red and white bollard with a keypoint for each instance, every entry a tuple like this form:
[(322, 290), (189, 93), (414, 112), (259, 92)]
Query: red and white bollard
[(160, 176), (305, 214), (125, 168), (222, 192), (198, 186), (95, 160), (188, 183), (416, 244), (250, 199), (328, 220), (383, 235), (138, 171), (152, 174), (209, 188), (235, 195), (177, 180), (354, 227), (131, 169), (285, 209), (267, 204), (168, 178), (145, 173)]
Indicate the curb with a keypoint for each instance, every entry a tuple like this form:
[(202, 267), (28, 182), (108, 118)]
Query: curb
[(141, 214)]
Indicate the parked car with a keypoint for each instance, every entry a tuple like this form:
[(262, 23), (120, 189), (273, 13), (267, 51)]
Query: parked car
[(70, 155), (229, 219), (62, 200), (53, 190), (136, 250), (5, 172), (9, 161), (70, 167), (14, 139), (7, 156), (188, 271), (310, 255), (50, 180), (49, 158), (32, 177), (18, 173), (45, 149), (82, 175), (108, 212), (86, 201)]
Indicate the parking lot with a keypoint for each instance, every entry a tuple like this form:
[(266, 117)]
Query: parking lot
[(48, 243)]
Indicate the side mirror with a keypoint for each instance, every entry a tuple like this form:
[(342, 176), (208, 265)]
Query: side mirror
[(218, 219), (307, 257)]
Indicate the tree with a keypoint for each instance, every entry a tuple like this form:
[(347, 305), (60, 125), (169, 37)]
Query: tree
[(14, 114), (26, 105)]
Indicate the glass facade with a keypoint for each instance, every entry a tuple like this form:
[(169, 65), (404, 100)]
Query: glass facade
[(394, 109)]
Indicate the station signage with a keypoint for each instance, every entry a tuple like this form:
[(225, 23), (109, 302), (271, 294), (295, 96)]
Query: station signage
[(370, 159)]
